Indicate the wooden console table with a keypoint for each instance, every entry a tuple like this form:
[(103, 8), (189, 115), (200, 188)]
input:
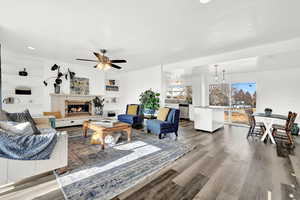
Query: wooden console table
[(101, 131)]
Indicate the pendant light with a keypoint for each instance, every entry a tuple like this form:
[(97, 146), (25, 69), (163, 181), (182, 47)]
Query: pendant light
[(223, 76), (216, 76)]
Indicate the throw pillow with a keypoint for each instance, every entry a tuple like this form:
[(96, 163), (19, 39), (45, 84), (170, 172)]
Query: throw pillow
[(4, 116), (16, 128), (163, 114), (132, 110), (24, 117)]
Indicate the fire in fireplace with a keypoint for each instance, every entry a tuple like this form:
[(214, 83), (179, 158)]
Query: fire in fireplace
[(78, 108)]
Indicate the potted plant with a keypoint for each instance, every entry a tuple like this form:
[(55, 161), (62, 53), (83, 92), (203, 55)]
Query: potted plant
[(58, 78), (99, 104), (149, 101)]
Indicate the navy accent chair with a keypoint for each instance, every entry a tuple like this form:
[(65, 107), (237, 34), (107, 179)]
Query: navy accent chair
[(164, 127), (135, 120)]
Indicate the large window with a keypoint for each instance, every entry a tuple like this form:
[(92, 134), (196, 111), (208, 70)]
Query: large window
[(243, 96), (219, 95), (236, 98)]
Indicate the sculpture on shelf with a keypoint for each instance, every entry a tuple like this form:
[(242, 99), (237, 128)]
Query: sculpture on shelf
[(99, 104), (58, 77)]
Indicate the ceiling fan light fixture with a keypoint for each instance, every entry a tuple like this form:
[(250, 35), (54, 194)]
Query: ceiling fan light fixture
[(104, 62), (106, 66), (100, 66)]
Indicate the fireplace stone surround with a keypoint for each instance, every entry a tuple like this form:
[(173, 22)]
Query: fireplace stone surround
[(63, 102), (75, 109)]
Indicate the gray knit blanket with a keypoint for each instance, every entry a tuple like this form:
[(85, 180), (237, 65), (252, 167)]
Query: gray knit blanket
[(27, 147)]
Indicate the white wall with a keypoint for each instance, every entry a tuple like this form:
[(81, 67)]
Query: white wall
[(276, 89), (133, 83), (39, 69)]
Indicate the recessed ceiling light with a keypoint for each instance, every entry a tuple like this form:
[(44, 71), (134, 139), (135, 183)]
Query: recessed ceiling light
[(31, 48), (204, 1)]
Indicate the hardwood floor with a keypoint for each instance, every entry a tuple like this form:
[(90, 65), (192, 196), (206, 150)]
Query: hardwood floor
[(224, 165)]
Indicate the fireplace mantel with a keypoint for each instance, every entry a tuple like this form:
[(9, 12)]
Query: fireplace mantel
[(58, 102), (75, 95)]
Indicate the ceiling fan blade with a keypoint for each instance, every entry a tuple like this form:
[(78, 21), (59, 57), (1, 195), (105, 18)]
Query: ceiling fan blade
[(98, 56), (86, 60), (118, 61), (116, 66)]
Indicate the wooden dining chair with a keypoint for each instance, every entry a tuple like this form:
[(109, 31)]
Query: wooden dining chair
[(256, 128), (282, 127), (285, 132)]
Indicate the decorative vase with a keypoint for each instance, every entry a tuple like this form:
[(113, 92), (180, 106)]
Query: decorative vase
[(57, 89), (148, 111), (268, 111), (99, 111)]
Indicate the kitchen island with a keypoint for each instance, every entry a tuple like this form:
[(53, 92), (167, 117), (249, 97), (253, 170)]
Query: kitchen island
[(208, 118)]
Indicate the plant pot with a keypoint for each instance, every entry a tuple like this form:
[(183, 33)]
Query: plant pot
[(148, 111), (268, 111), (57, 89), (99, 111)]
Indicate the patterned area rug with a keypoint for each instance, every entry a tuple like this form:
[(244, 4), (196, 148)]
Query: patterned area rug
[(96, 174)]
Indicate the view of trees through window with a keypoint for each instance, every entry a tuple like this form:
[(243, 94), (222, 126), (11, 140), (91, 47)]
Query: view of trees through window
[(219, 95), (243, 95), (236, 98)]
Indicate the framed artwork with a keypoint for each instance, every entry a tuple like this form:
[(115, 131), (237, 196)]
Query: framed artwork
[(79, 86), (111, 85)]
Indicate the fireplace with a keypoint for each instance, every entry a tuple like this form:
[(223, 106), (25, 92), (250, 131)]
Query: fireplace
[(78, 108)]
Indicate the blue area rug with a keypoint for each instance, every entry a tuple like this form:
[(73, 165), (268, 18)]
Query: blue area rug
[(97, 174)]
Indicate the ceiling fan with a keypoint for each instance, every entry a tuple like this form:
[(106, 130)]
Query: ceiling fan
[(104, 63)]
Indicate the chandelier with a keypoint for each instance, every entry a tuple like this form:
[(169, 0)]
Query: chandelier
[(216, 75)]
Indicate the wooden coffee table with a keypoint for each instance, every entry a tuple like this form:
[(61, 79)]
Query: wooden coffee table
[(101, 131)]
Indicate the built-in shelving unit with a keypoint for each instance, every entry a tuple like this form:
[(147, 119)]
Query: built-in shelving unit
[(112, 96), (33, 81)]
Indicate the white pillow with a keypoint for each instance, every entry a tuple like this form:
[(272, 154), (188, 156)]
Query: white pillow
[(17, 128)]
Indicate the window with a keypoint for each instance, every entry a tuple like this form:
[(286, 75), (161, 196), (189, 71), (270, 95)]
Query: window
[(219, 95), (243, 97), (236, 97)]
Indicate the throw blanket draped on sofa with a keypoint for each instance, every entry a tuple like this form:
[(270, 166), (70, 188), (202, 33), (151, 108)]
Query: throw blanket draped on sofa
[(27, 147)]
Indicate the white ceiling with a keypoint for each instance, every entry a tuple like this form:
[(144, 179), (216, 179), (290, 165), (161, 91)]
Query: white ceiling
[(146, 33)]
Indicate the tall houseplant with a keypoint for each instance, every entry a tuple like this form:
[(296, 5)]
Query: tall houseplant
[(149, 101)]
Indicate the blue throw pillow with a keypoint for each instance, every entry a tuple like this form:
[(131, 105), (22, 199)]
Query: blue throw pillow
[(171, 115)]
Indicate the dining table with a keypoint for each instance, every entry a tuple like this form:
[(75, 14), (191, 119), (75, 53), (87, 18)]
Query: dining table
[(268, 120)]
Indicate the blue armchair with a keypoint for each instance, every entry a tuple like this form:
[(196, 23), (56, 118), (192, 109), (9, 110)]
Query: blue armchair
[(135, 120), (164, 127)]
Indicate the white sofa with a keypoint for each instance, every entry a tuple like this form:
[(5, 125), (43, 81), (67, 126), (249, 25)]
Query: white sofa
[(12, 171)]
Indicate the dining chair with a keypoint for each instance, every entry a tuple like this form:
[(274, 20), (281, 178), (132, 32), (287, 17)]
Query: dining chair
[(285, 132), (256, 128), (280, 126)]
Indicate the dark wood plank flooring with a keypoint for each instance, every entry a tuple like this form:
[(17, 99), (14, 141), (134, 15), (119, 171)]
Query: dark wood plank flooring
[(223, 166)]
